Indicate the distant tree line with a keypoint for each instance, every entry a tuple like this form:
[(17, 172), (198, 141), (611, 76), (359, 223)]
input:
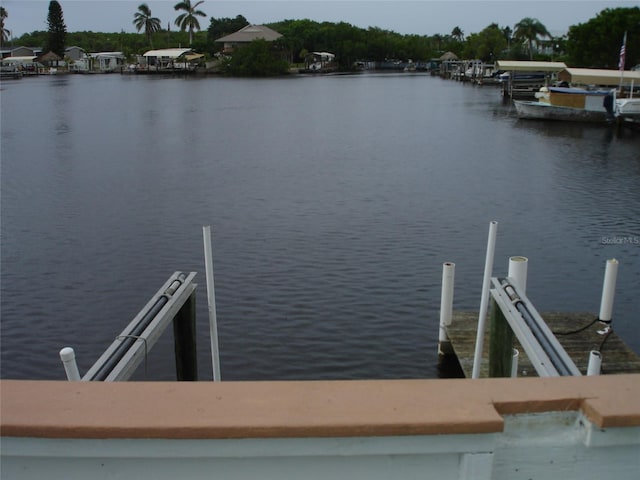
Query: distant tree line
[(595, 43)]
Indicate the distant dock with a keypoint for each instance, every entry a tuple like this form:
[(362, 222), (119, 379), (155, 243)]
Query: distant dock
[(617, 357)]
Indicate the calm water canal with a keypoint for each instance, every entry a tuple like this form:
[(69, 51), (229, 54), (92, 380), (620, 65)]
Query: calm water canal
[(334, 202)]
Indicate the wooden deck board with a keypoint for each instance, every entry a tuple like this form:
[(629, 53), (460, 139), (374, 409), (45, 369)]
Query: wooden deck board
[(617, 357)]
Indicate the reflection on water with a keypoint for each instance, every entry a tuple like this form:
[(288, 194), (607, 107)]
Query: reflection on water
[(333, 200)]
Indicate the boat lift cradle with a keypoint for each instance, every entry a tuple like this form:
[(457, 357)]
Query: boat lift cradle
[(547, 356)]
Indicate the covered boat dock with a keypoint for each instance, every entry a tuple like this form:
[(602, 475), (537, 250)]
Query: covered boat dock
[(170, 59), (524, 79), (600, 77)]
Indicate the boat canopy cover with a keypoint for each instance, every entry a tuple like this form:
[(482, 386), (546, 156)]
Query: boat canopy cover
[(581, 91), (592, 76), (107, 55), (516, 66), (168, 52), (193, 56), (9, 60)]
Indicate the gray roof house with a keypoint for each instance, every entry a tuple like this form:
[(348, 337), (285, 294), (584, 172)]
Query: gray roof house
[(21, 52), (247, 35), (74, 53)]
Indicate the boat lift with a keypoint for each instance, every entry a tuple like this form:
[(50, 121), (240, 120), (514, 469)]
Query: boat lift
[(174, 301), (547, 356)]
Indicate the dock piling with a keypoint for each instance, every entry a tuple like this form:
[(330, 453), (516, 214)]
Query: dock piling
[(595, 361), (500, 343), (184, 339), (518, 267), (514, 363), (608, 290), (446, 307), (68, 357)]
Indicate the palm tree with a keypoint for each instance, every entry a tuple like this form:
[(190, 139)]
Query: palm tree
[(530, 29), (5, 32), (188, 20), (143, 19), (508, 33), (457, 34)]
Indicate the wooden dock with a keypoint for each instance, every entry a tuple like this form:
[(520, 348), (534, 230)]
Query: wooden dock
[(617, 357)]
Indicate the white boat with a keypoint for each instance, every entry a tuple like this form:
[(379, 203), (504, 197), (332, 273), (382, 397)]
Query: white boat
[(628, 107), (569, 104)]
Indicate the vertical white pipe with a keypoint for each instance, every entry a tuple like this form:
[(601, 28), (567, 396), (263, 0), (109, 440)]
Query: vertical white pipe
[(68, 357), (484, 302), (514, 363), (518, 271), (608, 290), (446, 301), (595, 361), (211, 297)]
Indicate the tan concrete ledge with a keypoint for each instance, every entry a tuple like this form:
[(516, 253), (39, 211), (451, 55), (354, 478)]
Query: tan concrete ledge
[(50, 409)]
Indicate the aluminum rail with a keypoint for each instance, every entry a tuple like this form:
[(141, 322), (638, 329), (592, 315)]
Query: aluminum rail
[(543, 349), (120, 359)]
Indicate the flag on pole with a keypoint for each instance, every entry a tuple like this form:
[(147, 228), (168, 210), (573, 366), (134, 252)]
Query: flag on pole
[(623, 51)]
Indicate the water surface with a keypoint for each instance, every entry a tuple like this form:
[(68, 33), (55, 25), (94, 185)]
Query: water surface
[(334, 202)]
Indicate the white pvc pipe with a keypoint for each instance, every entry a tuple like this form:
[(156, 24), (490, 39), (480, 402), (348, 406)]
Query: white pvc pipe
[(608, 290), (446, 299), (484, 302), (595, 361), (211, 297), (68, 357), (518, 271), (514, 363)]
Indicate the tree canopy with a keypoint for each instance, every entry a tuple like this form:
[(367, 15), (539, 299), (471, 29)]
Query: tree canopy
[(258, 59), (597, 43), (593, 44), (5, 33), (486, 45), (220, 27), (529, 30), (144, 20), (189, 19), (57, 33)]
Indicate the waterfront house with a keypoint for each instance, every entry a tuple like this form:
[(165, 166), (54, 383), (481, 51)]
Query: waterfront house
[(22, 52), (106, 62), (74, 53), (50, 59), (246, 35)]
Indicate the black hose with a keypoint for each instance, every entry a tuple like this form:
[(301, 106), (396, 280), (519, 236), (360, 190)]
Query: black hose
[(557, 361), (548, 347), (582, 329), (129, 340)]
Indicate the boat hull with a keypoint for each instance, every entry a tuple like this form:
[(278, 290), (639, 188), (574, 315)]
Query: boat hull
[(628, 107), (543, 111)]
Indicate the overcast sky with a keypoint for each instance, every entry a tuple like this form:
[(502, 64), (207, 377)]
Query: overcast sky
[(422, 17)]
